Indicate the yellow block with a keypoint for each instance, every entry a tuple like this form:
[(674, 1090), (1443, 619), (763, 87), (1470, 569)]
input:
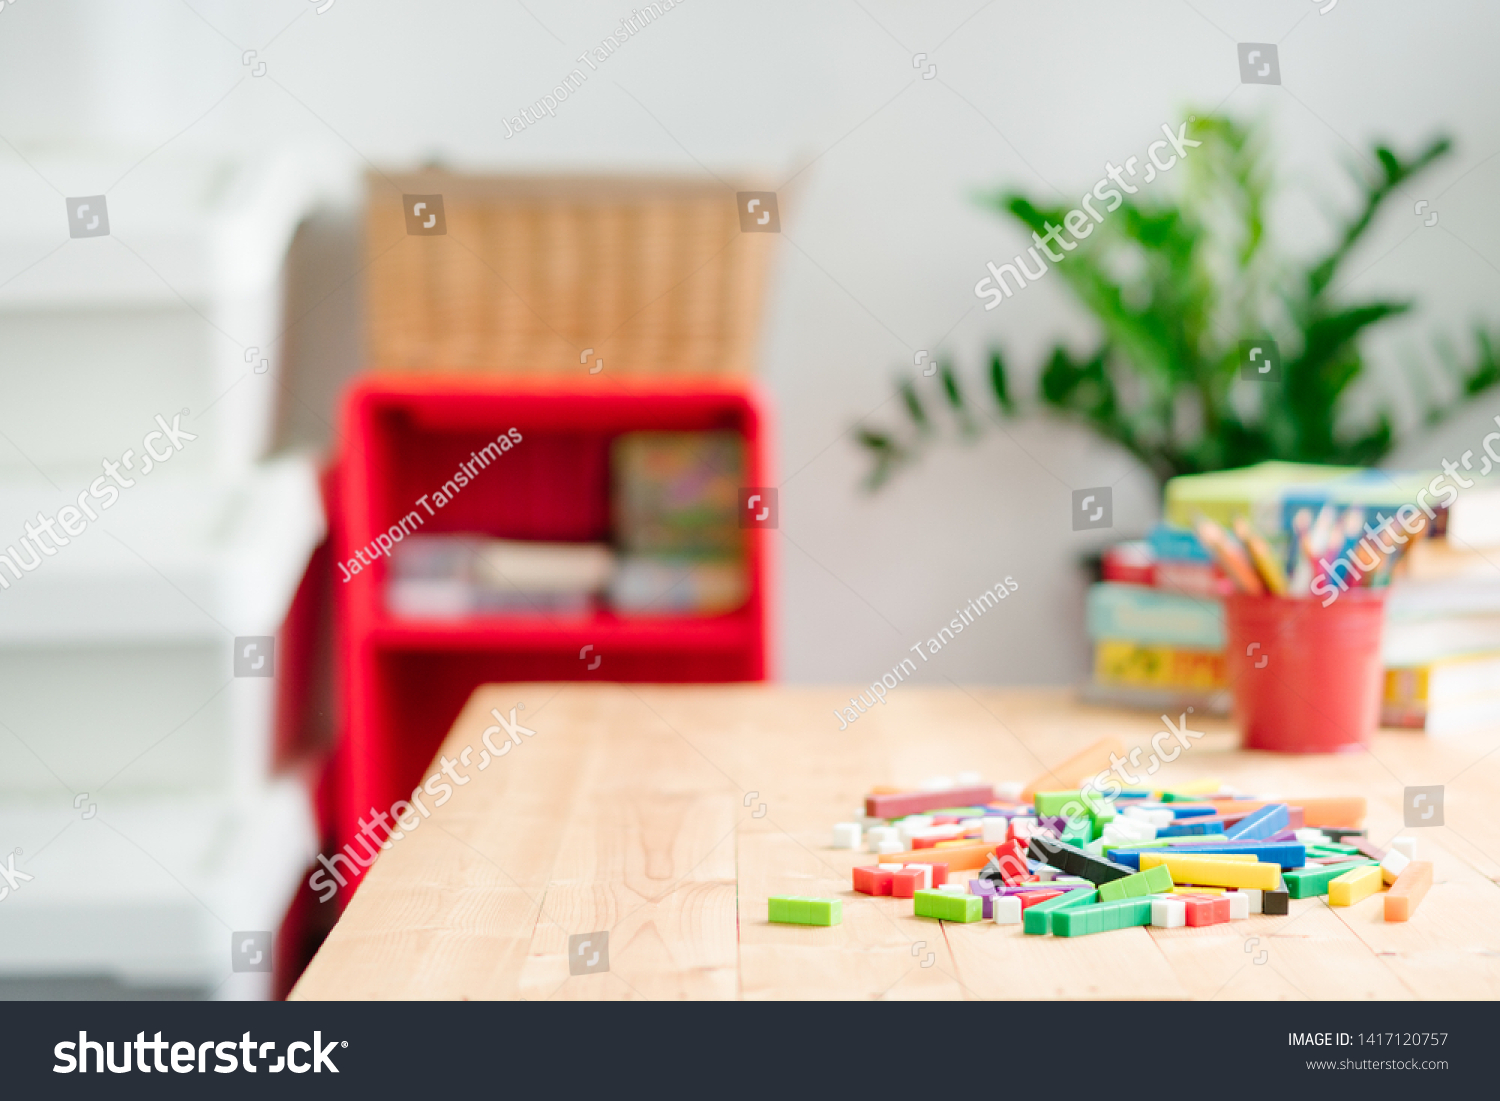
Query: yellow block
[(1353, 886), (1233, 858), (1216, 873), (1197, 890)]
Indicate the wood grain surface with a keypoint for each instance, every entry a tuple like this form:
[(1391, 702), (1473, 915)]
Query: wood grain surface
[(667, 815)]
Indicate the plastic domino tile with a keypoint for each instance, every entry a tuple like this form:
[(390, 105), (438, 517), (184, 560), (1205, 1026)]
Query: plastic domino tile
[(1214, 873), (872, 881), (1193, 827), (1102, 917), (795, 910), (914, 802), (1354, 886), (906, 883), (1406, 893), (1311, 881), (1075, 861), (1206, 911), (1288, 854), (1154, 881), (946, 906), (1005, 910), (1239, 905), (1055, 802), (1168, 913), (1037, 919), (1260, 823)]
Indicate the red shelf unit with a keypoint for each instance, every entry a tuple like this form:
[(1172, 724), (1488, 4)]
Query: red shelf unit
[(403, 682)]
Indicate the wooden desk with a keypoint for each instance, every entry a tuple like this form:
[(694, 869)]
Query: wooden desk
[(638, 810)]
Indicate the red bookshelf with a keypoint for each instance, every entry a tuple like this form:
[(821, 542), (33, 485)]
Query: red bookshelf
[(403, 682)]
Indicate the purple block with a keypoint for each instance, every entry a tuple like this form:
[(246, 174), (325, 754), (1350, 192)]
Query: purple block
[(1023, 888), (981, 887), (1283, 835)]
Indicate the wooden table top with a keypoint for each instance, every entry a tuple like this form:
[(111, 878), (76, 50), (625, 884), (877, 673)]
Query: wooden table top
[(668, 815)]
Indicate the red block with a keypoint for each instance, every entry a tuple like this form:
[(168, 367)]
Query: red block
[(1031, 898), (1019, 830), (872, 881), (915, 802), (925, 842), (1206, 910), (939, 874), (906, 883), (1012, 858)]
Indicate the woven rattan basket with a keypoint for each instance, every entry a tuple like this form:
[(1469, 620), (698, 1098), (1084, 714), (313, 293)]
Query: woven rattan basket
[(654, 275)]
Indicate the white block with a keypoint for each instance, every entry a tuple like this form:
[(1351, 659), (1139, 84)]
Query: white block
[(846, 835), (1311, 837), (995, 829), (953, 888), (937, 783), (1394, 864), (1239, 905), (938, 833), (1005, 910), (971, 823), (876, 835), (890, 847), (926, 870), (891, 867), (1060, 879), (1168, 913), (969, 779), (1046, 873), (1406, 846), (1010, 791), (1257, 899), (1154, 817)]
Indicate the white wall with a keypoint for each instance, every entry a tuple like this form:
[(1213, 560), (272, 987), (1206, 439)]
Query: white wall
[(883, 241)]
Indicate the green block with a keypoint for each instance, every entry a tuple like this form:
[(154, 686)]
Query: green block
[(1052, 803), (1313, 880), (1099, 817), (795, 910), (947, 906), (1102, 917), (1078, 832), (1038, 919), (1332, 849), (1152, 881)]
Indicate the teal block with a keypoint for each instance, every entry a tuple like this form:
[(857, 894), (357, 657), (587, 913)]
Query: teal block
[(947, 906), (1037, 920), (1102, 917), (796, 910)]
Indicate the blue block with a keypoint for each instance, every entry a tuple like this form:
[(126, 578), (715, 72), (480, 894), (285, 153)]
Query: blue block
[(1179, 811), (1190, 829), (1289, 854), (1263, 823)]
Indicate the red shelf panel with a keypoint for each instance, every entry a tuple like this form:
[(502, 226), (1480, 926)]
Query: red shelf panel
[(404, 681)]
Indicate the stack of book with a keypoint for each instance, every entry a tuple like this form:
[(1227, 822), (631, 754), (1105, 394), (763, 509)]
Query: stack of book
[(1441, 646), (1157, 625)]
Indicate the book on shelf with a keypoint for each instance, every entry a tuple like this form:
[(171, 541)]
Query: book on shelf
[(1444, 696)]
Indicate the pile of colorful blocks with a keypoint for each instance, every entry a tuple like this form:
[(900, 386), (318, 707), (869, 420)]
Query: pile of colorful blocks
[(1071, 863)]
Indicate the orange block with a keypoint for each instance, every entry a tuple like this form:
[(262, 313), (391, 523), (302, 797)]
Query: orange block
[(959, 858), (1077, 769), (1408, 890), (1341, 810)]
